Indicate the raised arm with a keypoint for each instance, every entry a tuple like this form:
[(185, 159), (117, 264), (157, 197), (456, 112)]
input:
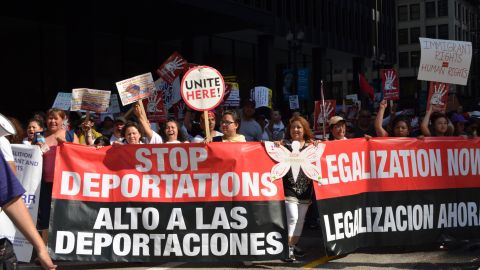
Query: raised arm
[(139, 111), (424, 125), (381, 132)]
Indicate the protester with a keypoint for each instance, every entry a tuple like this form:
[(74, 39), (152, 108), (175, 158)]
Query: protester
[(106, 127), (6, 149), (101, 141), (364, 125), (88, 133), (33, 126), (230, 123), (12, 204), (400, 124), (338, 127), (152, 136), (118, 125), (249, 127), (298, 193), (132, 134), (170, 132), (458, 122), (211, 125), (438, 126), (54, 134), (16, 138), (275, 128)]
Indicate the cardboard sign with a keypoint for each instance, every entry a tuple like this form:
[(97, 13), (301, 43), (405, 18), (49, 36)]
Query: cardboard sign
[(135, 88), (63, 101), (155, 106), (330, 106), (391, 91), (172, 67), (438, 96), (170, 91), (262, 96), (202, 88), (232, 95), (294, 104), (446, 61), (90, 100)]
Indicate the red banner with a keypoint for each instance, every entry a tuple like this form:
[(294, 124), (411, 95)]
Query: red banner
[(438, 95), (390, 86), (165, 173), (351, 167)]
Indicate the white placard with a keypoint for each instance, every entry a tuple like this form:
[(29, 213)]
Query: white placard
[(202, 88), (262, 96), (135, 88), (294, 104), (446, 61), (90, 100), (28, 160), (63, 101), (114, 105)]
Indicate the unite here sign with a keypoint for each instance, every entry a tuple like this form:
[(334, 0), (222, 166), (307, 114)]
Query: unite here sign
[(202, 88), (446, 61)]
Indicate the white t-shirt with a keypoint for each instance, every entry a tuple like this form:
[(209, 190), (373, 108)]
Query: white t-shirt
[(6, 149), (156, 138)]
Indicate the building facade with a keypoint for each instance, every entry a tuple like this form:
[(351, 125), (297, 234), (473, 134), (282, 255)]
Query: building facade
[(438, 19)]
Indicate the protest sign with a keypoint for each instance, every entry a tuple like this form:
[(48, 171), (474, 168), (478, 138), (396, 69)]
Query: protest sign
[(90, 100), (114, 105), (172, 68), (446, 61), (330, 106), (155, 106), (262, 96), (202, 88), (303, 83), (170, 92), (352, 107), (293, 101), (398, 192), (232, 95), (28, 161), (438, 95), (391, 90), (135, 88), (175, 202), (63, 101)]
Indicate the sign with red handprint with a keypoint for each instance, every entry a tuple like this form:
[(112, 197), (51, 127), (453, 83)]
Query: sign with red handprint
[(172, 68), (438, 96), (390, 87), (155, 106), (321, 118)]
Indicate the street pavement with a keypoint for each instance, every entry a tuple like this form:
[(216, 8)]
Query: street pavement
[(461, 256)]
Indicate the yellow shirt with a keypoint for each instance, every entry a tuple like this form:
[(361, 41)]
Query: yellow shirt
[(238, 138), (95, 134)]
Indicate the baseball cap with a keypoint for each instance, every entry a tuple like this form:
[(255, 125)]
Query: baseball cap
[(120, 119), (458, 118), (335, 120)]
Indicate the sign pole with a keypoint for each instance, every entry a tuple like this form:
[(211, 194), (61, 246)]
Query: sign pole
[(323, 109), (207, 126)]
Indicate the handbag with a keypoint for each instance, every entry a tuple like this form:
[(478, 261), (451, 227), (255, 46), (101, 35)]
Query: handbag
[(8, 260)]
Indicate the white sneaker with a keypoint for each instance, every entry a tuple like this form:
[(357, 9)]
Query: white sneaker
[(291, 254)]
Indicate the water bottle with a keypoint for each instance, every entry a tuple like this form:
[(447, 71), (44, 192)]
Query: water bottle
[(39, 137)]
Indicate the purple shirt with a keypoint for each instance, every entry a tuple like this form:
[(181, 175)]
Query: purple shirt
[(10, 187)]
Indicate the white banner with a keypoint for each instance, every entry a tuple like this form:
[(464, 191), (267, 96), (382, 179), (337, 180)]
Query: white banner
[(28, 159), (446, 61)]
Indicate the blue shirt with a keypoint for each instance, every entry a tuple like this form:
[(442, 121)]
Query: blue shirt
[(10, 187)]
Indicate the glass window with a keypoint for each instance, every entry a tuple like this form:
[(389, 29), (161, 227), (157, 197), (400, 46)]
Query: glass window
[(443, 31), (414, 35), (442, 8), (402, 13), (415, 58), (431, 31), (430, 10), (415, 12), (402, 36), (403, 59)]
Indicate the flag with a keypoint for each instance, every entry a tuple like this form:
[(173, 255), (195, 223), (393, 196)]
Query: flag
[(365, 86)]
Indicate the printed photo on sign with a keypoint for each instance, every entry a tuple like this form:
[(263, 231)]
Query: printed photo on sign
[(438, 96), (172, 67), (90, 100), (391, 91), (446, 61), (135, 88), (202, 88), (63, 101)]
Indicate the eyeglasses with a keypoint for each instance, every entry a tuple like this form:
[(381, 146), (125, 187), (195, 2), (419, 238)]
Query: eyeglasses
[(226, 123)]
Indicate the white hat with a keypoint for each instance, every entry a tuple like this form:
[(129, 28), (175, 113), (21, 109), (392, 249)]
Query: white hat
[(335, 119), (6, 127)]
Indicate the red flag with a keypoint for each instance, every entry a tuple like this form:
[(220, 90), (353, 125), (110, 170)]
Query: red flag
[(365, 86)]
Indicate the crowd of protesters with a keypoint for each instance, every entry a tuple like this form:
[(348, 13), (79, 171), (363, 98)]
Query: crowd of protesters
[(48, 129)]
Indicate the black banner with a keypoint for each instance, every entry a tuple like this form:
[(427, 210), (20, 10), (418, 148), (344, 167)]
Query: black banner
[(152, 232)]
